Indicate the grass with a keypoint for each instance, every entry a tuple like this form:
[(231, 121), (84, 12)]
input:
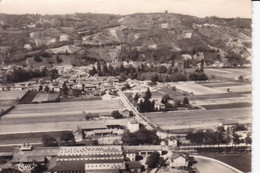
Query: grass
[(226, 106), (241, 161)]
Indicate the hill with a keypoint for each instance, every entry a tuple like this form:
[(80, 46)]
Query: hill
[(154, 37)]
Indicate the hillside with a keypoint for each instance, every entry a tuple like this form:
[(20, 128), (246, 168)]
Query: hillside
[(155, 37)]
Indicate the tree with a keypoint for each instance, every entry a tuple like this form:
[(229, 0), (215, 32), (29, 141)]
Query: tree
[(105, 70), (93, 71), (116, 115), (165, 98), (248, 140), (186, 101), (76, 92), (148, 94), (58, 59), (136, 97), (67, 138), (99, 69), (54, 74), (39, 168), (49, 141), (46, 89), (65, 89), (37, 58), (153, 160)]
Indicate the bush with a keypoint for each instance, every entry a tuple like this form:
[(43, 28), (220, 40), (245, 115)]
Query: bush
[(153, 160)]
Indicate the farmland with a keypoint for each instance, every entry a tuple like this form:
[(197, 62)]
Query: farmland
[(46, 97), (9, 98), (53, 116), (198, 118), (228, 73), (66, 107)]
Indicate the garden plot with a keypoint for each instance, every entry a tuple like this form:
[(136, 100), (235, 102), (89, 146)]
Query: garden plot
[(46, 97)]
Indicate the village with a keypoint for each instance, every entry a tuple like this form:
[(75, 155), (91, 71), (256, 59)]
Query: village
[(146, 92)]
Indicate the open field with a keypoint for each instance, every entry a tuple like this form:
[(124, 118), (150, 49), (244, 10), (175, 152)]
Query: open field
[(175, 120), (54, 126), (221, 101), (227, 105), (241, 161), (9, 98), (65, 107), (12, 95), (196, 89), (228, 73)]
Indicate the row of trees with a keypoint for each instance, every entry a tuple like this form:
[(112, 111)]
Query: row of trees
[(21, 75), (144, 72), (142, 136), (66, 138), (220, 136)]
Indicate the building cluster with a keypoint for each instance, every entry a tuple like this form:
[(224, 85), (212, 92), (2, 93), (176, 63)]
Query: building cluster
[(101, 159)]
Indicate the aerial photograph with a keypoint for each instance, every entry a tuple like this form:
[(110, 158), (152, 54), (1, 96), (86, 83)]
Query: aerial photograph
[(125, 86)]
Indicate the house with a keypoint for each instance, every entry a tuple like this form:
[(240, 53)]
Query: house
[(133, 126), (178, 160), (170, 141)]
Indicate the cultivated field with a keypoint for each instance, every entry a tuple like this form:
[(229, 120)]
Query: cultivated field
[(12, 95), (196, 89), (198, 118), (228, 73), (9, 98), (66, 107), (53, 116), (46, 97), (53, 126)]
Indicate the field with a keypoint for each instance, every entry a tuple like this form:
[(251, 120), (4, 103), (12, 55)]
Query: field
[(46, 97), (228, 73), (196, 89), (27, 99), (53, 116), (66, 107), (12, 95), (52, 126), (9, 98), (198, 118)]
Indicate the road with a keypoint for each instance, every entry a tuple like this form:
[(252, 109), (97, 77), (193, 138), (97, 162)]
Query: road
[(206, 165), (148, 124)]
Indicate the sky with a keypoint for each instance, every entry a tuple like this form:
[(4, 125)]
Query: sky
[(199, 8)]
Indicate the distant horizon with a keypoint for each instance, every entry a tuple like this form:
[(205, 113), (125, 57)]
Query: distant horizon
[(197, 8), (121, 14)]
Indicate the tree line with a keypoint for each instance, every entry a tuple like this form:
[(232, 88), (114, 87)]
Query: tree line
[(154, 73)]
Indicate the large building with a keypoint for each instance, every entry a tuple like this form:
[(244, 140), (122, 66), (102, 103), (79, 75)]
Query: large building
[(74, 159)]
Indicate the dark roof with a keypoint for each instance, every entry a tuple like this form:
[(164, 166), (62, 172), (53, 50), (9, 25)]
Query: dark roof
[(133, 164), (79, 165)]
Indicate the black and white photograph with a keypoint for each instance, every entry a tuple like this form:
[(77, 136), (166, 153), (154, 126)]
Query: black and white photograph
[(126, 86)]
